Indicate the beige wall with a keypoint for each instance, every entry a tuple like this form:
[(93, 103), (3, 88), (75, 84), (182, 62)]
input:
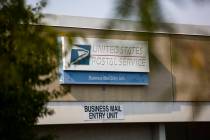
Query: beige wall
[(179, 71)]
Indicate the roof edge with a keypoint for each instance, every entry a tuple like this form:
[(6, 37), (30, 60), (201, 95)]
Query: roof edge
[(122, 25)]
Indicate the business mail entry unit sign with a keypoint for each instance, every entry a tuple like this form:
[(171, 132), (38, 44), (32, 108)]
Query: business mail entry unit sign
[(104, 61), (103, 112), (93, 54)]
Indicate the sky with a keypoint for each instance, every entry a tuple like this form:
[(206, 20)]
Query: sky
[(174, 11)]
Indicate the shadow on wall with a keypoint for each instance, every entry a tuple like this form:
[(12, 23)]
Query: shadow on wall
[(191, 68)]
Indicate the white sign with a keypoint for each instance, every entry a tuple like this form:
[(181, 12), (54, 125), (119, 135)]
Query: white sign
[(93, 54), (103, 112)]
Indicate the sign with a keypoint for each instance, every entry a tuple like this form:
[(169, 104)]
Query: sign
[(114, 55), (103, 112), (104, 61), (112, 78)]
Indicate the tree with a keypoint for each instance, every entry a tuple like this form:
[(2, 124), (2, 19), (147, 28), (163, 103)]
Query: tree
[(28, 61), (148, 12)]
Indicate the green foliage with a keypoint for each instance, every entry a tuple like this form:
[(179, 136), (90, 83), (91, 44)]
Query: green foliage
[(148, 12), (28, 61)]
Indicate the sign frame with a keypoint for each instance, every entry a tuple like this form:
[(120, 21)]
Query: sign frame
[(97, 76)]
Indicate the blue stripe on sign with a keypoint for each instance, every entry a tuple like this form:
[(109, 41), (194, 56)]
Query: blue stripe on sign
[(105, 78)]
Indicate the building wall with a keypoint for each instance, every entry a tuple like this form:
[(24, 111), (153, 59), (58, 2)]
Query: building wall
[(178, 70), (179, 75)]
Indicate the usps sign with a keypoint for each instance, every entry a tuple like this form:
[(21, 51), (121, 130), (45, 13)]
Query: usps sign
[(95, 54), (105, 61)]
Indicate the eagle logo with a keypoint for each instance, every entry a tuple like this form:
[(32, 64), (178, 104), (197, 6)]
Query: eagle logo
[(80, 55)]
